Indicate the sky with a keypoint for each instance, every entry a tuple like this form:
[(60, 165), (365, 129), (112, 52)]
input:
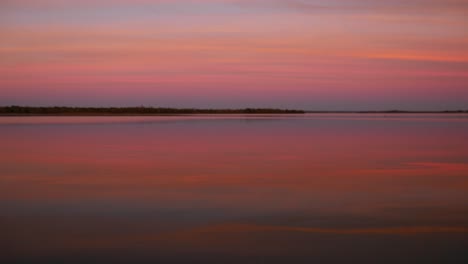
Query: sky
[(302, 54)]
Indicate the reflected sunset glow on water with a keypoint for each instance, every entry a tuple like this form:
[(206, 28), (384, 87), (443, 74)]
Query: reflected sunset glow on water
[(240, 188)]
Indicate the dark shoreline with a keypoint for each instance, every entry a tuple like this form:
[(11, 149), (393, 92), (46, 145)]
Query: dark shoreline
[(131, 111), (194, 114), (152, 111)]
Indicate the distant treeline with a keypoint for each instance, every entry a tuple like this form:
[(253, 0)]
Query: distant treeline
[(58, 110)]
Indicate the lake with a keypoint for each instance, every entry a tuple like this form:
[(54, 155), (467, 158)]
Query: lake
[(314, 188)]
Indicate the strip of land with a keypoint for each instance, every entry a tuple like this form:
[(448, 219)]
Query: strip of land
[(129, 111), (119, 111)]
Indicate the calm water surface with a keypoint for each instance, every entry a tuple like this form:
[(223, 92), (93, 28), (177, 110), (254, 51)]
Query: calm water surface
[(234, 189)]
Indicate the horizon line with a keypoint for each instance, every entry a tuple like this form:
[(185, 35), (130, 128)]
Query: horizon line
[(231, 109)]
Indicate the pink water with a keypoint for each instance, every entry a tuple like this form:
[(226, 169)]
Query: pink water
[(234, 189)]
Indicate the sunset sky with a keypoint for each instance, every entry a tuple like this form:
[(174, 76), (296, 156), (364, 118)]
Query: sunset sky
[(305, 54)]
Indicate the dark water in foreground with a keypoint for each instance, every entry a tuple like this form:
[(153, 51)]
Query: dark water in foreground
[(234, 189)]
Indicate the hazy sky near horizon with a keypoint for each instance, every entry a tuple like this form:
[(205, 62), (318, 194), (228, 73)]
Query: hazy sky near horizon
[(308, 54)]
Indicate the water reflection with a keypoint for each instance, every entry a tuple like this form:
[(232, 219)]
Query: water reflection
[(234, 188)]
